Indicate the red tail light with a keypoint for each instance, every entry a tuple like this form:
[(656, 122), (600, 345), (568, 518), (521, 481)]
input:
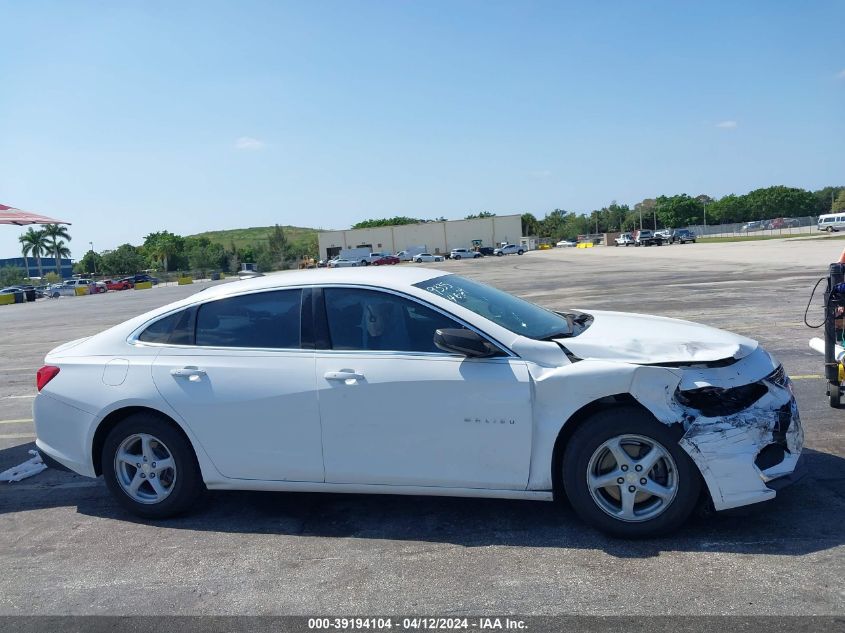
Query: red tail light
[(45, 375)]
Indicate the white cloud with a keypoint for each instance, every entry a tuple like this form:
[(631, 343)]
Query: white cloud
[(727, 125), (841, 74), (248, 143)]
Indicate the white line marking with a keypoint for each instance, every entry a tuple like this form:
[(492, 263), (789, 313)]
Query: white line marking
[(17, 397), (17, 436), (20, 421)]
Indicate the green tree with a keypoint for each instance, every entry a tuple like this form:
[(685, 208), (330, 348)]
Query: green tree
[(530, 224), (55, 233), (779, 201), (825, 199), (91, 262), (397, 221), (675, 211), (839, 202), (11, 276), (205, 257), (277, 243), (162, 247), (124, 260), (34, 242), (483, 214)]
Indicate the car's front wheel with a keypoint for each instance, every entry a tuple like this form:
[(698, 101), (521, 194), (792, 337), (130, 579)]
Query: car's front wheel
[(520, 252), (625, 474), (150, 467)]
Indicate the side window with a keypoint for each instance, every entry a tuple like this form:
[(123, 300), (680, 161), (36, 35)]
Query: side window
[(174, 329), (379, 321), (263, 319)]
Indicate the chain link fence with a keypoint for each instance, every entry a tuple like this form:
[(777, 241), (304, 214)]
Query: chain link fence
[(806, 225)]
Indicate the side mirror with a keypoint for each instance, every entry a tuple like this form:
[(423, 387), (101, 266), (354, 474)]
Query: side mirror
[(466, 342)]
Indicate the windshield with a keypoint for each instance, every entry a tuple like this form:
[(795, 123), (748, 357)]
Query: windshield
[(515, 314)]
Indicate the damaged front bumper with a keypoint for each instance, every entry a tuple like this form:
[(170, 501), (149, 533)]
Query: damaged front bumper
[(745, 456)]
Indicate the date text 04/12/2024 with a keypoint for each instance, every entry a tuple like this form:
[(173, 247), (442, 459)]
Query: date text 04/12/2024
[(416, 624)]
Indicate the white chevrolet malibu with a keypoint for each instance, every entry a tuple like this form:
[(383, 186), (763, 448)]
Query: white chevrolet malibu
[(414, 381)]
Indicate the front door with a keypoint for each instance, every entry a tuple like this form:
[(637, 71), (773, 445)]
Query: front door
[(397, 410)]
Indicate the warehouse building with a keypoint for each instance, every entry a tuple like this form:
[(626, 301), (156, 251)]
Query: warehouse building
[(434, 237)]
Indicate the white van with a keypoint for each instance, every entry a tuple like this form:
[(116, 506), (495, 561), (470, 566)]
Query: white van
[(832, 222)]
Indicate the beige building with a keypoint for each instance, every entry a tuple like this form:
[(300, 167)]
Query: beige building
[(434, 237)]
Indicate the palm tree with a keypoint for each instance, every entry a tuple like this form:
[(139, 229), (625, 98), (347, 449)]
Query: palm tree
[(25, 249), (34, 243), (54, 234)]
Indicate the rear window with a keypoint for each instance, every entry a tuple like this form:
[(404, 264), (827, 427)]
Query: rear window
[(262, 320)]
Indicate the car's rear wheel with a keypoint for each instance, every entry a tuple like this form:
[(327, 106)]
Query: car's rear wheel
[(520, 252), (626, 475), (150, 467)]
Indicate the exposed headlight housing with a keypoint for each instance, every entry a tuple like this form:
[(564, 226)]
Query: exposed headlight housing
[(716, 401)]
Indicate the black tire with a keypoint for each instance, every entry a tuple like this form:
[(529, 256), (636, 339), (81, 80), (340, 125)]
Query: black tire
[(188, 487), (610, 423), (456, 256), (834, 394), (499, 254), (520, 252), (830, 229), (418, 261)]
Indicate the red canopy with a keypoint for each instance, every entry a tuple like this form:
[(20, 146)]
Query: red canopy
[(10, 215)]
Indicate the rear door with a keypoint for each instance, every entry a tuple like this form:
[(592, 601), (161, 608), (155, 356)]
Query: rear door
[(243, 383)]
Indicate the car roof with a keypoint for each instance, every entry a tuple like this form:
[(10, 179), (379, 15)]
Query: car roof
[(395, 278)]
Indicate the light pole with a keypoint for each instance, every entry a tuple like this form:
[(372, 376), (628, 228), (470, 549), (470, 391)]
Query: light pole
[(93, 258), (704, 202)]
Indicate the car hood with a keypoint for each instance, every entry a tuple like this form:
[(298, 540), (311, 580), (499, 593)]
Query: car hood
[(652, 340)]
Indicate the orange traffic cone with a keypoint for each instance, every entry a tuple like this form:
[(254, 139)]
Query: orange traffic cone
[(842, 257)]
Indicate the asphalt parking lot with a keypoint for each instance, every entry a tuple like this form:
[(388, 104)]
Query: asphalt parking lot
[(66, 548)]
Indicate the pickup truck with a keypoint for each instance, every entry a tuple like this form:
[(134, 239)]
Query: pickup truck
[(626, 239), (509, 249), (648, 238)]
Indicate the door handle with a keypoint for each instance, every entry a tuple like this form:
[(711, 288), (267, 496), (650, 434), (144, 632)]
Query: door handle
[(343, 375), (188, 372)]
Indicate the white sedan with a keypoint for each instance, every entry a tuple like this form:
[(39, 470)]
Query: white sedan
[(427, 257), (343, 263), (415, 381), (566, 244)]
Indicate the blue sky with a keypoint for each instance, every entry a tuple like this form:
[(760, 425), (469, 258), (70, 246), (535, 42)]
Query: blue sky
[(130, 117)]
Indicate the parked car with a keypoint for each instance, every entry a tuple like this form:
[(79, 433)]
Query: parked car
[(665, 234), (463, 253), (385, 260), (427, 257), (120, 284), (141, 277), (492, 403), (626, 239), (60, 290), (756, 225), (567, 244), (343, 263), (647, 237), (509, 249), (782, 223), (683, 236), (485, 251)]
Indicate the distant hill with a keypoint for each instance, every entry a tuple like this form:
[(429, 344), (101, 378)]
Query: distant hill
[(245, 237)]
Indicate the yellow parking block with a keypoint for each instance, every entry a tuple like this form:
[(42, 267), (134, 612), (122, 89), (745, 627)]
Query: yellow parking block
[(7, 299), (184, 281), (143, 285), (81, 290)]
